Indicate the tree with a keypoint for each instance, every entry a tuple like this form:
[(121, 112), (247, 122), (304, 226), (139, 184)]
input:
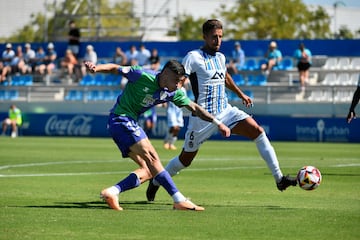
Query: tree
[(97, 20), (189, 29), (265, 19)]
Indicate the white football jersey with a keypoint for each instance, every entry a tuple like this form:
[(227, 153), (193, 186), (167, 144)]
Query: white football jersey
[(207, 76)]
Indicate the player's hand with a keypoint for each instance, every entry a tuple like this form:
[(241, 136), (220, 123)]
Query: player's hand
[(351, 115), (90, 66), (224, 130), (247, 101)]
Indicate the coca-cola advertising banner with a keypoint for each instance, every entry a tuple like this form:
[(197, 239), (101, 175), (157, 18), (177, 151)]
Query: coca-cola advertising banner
[(65, 125)]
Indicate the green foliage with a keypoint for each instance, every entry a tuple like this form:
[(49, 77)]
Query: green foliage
[(275, 19), (96, 19), (266, 19), (50, 190), (189, 28)]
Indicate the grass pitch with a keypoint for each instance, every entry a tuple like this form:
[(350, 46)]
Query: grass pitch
[(50, 190)]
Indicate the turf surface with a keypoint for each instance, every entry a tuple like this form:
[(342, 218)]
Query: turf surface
[(50, 190)]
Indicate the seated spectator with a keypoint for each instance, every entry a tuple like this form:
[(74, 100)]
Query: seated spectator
[(49, 61), (131, 55), (39, 61), (69, 62), (4, 71), (14, 120), (119, 57), (154, 60), (29, 58), (8, 55), (143, 55), (273, 56), (17, 63), (90, 56), (238, 59)]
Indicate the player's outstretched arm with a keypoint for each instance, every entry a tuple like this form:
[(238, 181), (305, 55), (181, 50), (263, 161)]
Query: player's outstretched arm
[(206, 116), (102, 68), (351, 115)]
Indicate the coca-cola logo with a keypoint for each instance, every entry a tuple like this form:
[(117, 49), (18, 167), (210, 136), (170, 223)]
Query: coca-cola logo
[(79, 125)]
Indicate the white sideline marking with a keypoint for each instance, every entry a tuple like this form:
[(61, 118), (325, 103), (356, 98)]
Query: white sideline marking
[(124, 172)]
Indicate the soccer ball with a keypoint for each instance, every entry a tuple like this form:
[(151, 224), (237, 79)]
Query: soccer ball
[(309, 177)]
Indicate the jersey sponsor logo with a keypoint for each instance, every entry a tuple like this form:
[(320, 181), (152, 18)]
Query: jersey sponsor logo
[(218, 75), (145, 89), (148, 101)]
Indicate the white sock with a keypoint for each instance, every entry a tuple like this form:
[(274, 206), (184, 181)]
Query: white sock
[(178, 197), (173, 168), (173, 140), (113, 190), (267, 152)]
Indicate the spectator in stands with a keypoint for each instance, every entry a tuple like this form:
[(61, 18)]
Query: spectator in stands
[(39, 60), (238, 59), (154, 60), (119, 57), (4, 70), (303, 58), (29, 57), (49, 61), (74, 38), (69, 62), (143, 55), (90, 56), (273, 57), (14, 120), (8, 54), (355, 100), (17, 63), (131, 55)]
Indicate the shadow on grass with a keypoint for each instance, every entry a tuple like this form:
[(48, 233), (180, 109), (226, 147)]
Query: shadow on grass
[(128, 205)]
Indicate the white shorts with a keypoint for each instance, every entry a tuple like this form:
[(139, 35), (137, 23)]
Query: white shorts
[(199, 131), (174, 116)]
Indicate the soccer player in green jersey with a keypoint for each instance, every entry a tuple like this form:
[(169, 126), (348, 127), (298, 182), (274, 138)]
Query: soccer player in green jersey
[(145, 89)]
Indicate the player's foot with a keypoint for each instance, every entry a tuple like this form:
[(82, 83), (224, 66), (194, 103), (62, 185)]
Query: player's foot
[(167, 146), (285, 182), (151, 191), (111, 199), (187, 205), (172, 147)]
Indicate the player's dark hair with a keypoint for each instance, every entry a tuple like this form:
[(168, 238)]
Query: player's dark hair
[(175, 67), (210, 25)]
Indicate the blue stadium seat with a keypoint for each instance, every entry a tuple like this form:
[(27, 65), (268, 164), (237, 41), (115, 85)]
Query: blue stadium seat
[(17, 80), (95, 95), (28, 79), (251, 65), (286, 64), (74, 95), (87, 80), (249, 93), (99, 79), (112, 79), (3, 95), (256, 80), (238, 79), (13, 94)]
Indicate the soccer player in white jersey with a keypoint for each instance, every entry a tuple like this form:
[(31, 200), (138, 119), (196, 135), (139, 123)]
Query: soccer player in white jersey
[(206, 69)]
